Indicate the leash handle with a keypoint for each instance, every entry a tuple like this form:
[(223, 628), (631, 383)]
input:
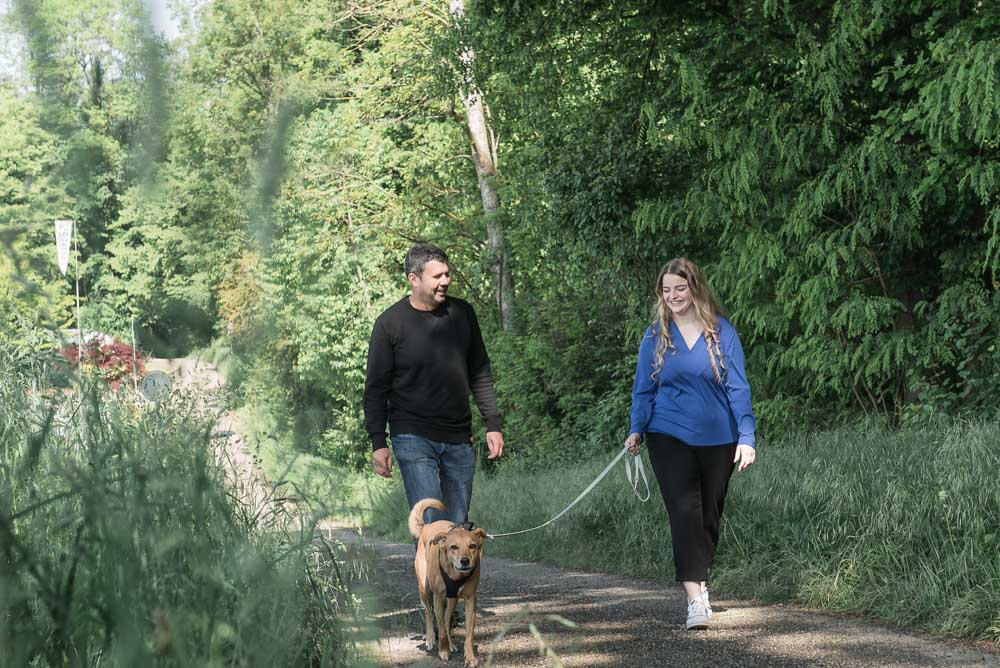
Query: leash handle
[(633, 478), (639, 470)]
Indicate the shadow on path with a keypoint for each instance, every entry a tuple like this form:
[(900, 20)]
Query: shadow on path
[(624, 622)]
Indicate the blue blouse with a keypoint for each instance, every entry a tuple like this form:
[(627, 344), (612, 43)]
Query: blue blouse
[(686, 401)]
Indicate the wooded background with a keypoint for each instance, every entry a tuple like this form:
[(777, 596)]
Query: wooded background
[(834, 167)]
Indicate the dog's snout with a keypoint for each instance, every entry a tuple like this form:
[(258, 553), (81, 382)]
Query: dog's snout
[(464, 561)]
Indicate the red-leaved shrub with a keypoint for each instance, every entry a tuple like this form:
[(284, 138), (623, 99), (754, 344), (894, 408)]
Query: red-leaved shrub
[(111, 361)]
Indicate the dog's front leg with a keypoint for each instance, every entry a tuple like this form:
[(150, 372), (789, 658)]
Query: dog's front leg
[(444, 639), (470, 630), (429, 638), (449, 611)]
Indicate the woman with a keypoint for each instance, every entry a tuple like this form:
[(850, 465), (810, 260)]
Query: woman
[(691, 400)]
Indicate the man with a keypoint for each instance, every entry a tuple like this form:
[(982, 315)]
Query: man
[(425, 356)]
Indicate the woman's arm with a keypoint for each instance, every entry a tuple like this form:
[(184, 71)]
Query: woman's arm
[(737, 387), (643, 387)]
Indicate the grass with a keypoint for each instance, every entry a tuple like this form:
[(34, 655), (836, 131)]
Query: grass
[(903, 526), (220, 354), (120, 545), (349, 495)]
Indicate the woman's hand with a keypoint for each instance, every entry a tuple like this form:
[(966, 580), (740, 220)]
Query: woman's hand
[(745, 455), (632, 443)]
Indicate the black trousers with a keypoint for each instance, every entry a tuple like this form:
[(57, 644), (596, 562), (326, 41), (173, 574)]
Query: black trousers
[(693, 481)]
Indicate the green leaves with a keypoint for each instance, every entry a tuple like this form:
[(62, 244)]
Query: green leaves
[(834, 168)]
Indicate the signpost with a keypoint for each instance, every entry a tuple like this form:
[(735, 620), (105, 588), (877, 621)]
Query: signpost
[(155, 386), (66, 233)]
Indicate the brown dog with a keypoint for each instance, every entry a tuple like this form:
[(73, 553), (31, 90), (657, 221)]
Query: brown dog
[(447, 566)]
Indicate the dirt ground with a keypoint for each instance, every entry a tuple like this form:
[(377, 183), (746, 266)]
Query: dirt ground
[(627, 622), (539, 615)]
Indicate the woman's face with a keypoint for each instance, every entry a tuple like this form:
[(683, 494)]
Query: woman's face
[(676, 294)]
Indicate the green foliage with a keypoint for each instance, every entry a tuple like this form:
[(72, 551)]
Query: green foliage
[(121, 545), (98, 94), (158, 269), (834, 168), (839, 192), (907, 516), (334, 188), (31, 289)]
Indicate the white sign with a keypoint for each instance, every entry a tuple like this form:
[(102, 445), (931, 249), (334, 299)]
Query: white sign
[(64, 235)]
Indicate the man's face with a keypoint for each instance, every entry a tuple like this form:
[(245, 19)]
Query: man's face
[(431, 287)]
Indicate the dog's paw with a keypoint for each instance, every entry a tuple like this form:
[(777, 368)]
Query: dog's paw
[(444, 647), (471, 662)]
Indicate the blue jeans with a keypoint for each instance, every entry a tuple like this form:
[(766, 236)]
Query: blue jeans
[(431, 469)]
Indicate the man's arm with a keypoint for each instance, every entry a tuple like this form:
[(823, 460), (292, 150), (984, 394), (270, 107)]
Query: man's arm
[(486, 398), (481, 384), (378, 383)]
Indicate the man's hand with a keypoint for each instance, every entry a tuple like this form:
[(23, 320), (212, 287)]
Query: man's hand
[(382, 462), (494, 441), (632, 443)]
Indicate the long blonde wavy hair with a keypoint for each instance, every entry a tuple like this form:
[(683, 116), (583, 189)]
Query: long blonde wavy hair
[(706, 307)]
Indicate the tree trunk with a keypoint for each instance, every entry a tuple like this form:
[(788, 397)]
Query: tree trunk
[(484, 146)]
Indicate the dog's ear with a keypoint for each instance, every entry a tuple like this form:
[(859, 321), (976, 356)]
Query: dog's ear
[(436, 540), (479, 533)]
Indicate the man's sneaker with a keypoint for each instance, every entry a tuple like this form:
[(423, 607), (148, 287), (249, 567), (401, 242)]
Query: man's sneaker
[(697, 615), (704, 599)]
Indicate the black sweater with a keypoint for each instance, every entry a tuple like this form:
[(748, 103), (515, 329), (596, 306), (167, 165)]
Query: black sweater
[(421, 368)]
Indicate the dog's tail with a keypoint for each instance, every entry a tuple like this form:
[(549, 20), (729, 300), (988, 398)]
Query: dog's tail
[(416, 522)]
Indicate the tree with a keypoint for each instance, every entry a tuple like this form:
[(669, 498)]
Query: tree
[(826, 164), (32, 293), (484, 143), (99, 88)]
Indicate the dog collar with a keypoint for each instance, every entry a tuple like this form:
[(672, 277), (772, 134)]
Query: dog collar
[(452, 586)]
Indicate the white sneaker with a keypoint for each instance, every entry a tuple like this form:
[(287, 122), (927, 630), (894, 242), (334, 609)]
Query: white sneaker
[(704, 599), (697, 615)]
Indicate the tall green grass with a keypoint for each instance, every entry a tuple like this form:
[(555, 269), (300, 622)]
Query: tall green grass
[(120, 545), (329, 488), (904, 526)]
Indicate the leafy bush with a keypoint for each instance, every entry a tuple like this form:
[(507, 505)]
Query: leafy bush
[(111, 362)]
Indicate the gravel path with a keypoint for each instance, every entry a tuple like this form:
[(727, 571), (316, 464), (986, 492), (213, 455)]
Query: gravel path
[(626, 622), (615, 621), (203, 381)]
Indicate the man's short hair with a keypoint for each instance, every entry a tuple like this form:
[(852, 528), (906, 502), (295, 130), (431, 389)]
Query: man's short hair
[(418, 257)]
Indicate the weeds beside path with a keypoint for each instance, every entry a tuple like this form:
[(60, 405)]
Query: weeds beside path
[(248, 483), (124, 544), (623, 622)]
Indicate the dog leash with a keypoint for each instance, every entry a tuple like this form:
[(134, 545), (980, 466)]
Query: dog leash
[(633, 479)]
